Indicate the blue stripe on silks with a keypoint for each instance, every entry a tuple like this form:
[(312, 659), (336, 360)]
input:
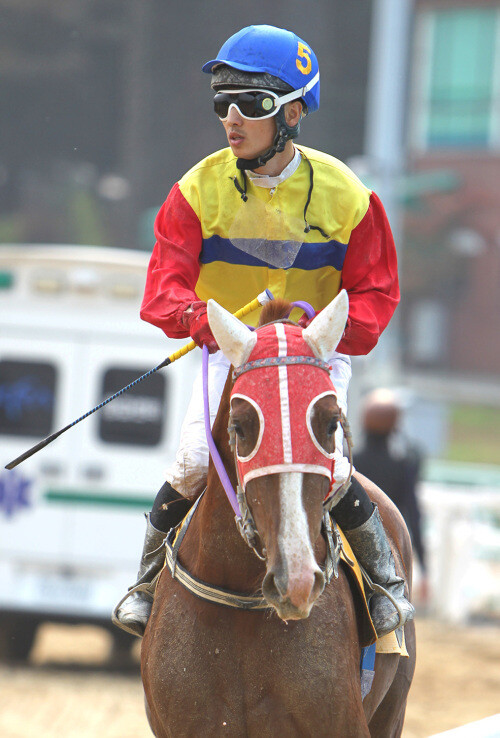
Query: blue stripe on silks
[(217, 248), (367, 669), (311, 255)]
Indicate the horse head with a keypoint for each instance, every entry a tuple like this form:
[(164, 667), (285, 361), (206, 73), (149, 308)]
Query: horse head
[(283, 418)]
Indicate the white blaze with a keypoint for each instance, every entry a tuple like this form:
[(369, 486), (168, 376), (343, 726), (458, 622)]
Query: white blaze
[(286, 429), (294, 541)]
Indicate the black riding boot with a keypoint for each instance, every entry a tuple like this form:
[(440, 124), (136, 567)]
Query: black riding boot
[(360, 521), (169, 508)]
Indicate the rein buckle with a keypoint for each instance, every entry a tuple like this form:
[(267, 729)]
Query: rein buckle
[(246, 523)]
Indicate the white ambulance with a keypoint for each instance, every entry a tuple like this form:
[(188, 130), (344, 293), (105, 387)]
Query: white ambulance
[(71, 516)]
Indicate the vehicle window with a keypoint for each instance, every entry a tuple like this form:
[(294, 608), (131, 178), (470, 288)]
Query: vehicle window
[(136, 418), (27, 395)]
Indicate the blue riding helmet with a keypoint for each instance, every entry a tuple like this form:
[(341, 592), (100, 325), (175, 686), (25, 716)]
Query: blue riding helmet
[(276, 51)]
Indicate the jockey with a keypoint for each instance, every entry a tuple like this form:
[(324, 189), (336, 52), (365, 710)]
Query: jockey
[(266, 213)]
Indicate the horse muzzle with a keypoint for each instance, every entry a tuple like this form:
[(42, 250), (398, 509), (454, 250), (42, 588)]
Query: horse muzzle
[(293, 596)]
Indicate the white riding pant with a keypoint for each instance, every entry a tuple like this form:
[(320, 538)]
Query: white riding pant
[(188, 473)]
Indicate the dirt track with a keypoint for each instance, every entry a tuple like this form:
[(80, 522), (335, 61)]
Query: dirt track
[(70, 692)]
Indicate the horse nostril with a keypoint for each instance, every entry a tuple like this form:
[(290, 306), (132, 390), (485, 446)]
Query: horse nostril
[(272, 589), (319, 584)]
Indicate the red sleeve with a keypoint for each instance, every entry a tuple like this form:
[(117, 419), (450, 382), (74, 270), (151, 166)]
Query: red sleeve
[(370, 276), (174, 266)]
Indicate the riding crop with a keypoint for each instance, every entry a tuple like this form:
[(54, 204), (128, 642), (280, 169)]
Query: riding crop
[(260, 300)]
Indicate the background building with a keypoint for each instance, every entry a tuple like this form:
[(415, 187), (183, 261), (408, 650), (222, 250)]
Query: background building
[(452, 252), (108, 106)]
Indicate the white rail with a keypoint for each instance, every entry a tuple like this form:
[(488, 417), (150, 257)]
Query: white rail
[(487, 728), (462, 537)]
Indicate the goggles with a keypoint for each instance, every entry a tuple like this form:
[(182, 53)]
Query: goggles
[(252, 103), (249, 103)]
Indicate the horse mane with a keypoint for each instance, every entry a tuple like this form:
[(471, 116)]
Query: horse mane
[(275, 310)]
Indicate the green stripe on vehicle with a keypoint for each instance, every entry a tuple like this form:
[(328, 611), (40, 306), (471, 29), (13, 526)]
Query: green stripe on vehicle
[(6, 280), (85, 497)]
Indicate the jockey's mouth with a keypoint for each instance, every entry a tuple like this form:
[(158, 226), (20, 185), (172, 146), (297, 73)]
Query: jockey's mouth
[(235, 138)]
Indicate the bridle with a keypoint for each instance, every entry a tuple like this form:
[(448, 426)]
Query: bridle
[(238, 500)]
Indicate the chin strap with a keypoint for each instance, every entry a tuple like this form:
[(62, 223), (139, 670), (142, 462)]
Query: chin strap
[(259, 161)]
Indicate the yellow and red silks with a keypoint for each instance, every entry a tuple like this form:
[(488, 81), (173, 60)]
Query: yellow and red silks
[(208, 243)]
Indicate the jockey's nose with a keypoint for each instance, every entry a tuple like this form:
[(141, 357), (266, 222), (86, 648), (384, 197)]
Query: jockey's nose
[(234, 116)]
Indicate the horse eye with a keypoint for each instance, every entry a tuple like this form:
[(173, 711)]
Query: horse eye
[(239, 430), (332, 427)]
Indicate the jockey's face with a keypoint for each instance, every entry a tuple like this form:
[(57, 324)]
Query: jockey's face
[(248, 138)]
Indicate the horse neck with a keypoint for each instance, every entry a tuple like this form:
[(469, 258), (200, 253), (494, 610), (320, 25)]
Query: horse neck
[(213, 549)]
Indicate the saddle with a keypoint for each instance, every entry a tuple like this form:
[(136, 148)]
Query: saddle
[(392, 642)]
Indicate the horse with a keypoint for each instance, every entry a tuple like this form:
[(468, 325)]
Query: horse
[(290, 669)]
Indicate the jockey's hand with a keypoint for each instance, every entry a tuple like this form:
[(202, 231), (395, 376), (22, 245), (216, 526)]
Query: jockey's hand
[(195, 319)]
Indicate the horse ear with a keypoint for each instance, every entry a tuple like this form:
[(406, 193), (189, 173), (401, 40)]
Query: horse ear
[(325, 330), (235, 340)]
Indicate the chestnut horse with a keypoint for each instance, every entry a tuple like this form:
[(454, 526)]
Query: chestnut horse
[(292, 669)]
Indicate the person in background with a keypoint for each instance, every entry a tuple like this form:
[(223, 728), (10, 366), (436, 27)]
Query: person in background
[(394, 463)]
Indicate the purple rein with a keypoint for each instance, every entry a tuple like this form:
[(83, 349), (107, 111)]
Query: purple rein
[(218, 463)]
